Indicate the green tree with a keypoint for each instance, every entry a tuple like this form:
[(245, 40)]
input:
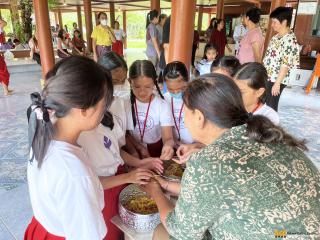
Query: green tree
[(26, 20)]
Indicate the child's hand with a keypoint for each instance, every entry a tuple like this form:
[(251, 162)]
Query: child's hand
[(154, 164), (144, 152), (139, 176), (166, 153)]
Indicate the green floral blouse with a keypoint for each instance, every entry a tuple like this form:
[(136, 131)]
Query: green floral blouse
[(236, 188), (282, 51)]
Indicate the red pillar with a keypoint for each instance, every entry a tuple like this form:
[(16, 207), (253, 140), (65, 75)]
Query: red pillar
[(270, 32), (220, 7), (56, 18), (88, 19), (96, 17), (155, 4), (200, 15), (60, 19), (112, 14), (181, 31), (124, 26), (45, 42), (79, 18)]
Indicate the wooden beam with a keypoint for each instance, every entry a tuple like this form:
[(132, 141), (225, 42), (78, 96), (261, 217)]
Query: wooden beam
[(44, 32), (155, 4), (220, 8), (88, 20), (60, 19), (79, 16), (181, 31), (124, 26), (112, 14), (200, 17)]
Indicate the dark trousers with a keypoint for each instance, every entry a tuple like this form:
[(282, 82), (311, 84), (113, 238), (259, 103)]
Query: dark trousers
[(193, 57), (273, 101)]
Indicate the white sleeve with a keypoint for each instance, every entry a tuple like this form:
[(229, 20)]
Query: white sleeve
[(166, 118), (127, 106), (124, 34), (79, 208), (236, 33)]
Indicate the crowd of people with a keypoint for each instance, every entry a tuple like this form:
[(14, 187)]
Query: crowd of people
[(90, 136)]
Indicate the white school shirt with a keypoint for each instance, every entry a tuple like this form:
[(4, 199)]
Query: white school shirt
[(118, 110), (159, 116), (177, 104), (119, 34), (102, 146), (122, 91), (268, 112), (204, 67), (66, 195)]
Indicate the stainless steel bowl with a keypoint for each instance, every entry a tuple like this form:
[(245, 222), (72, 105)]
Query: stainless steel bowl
[(139, 222)]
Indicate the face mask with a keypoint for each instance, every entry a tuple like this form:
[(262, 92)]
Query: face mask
[(104, 22), (177, 95)]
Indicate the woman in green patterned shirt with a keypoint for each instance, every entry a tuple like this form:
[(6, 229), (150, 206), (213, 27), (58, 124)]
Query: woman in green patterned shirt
[(250, 181)]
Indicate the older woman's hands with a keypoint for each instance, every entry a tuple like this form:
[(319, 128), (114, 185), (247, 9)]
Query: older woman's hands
[(153, 188), (184, 152), (275, 91)]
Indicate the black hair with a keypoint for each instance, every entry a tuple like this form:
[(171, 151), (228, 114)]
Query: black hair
[(112, 60), (256, 75), (60, 34), (67, 87), (114, 24), (73, 24), (174, 70), (282, 13), (220, 101), (212, 23), (107, 119), (101, 13), (217, 22), (151, 15), (208, 47), (137, 69), (162, 16), (229, 63), (254, 13), (78, 31)]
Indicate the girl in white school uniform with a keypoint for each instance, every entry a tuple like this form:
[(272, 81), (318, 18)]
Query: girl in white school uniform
[(176, 77), (150, 113), (251, 78), (103, 146), (209, 55), (66, 195)]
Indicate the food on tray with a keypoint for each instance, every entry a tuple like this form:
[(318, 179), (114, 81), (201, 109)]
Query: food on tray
[(173, 169), (141, 205)]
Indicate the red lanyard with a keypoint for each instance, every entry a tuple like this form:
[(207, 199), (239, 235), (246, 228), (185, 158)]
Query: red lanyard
[(256, 108), (145, 119), (174, 118)]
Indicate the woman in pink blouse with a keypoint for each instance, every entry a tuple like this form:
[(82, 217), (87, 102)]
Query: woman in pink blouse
[(251, 46)]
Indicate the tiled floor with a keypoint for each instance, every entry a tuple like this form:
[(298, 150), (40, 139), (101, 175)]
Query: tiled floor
[(300, 115)]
